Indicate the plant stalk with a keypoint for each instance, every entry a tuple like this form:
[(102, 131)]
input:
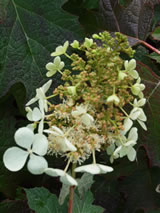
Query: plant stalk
[(71, 193), (151, 47)]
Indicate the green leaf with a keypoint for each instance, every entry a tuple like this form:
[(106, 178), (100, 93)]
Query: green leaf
[(90, 4), (42, 201), (156, 33), (87, 11), (155, 56), (85, 205), (30, 31)]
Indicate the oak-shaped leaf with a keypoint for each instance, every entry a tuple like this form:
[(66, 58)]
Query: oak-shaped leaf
[(30, 31)]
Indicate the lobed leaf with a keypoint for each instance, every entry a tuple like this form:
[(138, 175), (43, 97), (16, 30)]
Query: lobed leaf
[(42, 201), (30, 31), (133, 20)]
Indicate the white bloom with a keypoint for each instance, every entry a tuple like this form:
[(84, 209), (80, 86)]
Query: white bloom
[(57, 65), (137, 88), (60, 139), (81, 111), (41, 97), (64, 177), (130, 68), (127, 125), (138, 114), (126, 145), (36, 146), (94, 169), (139, 103), (113, 98), (60, 50), (36, 115)]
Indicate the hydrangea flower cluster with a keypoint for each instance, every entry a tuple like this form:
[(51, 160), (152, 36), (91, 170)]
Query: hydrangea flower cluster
[(101, 100)]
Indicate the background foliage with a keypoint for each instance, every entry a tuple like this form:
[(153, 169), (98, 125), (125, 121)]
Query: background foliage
[(30, 30)]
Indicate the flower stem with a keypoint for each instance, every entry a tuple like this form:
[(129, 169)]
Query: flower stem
[(151, 47), (71, 193), (93, 155), (51, 96)]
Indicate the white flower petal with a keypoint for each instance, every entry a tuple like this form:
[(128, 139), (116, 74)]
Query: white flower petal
[(141, 102), (37, 164), (40, 144), (132, 64), (131, 154), (127, 125), (133, 135), (134, 114), (61, 65), (40, 127), (14, 158), (41, 104), (117, 150), (142, 124), (29, 113), (94, 169), (46, 86), (31, 126), (33, 100), (24, 137), (91, 168), (130, 143), (57, 61), (68, 180), (51, 73), (123, 152), (54, 172), (87, 119), (69, 146), (57, 130), (113, 98), (36, 114), (50, 66), (142, 116), (105, 169), (40, 93), (126, 64), (134, 74)]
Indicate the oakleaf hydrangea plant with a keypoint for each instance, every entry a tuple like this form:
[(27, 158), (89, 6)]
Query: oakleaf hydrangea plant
[(101, 101)]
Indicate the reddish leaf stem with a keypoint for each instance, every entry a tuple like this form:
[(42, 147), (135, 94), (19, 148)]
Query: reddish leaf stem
[(71, 192), (151, 47), (71, 195)]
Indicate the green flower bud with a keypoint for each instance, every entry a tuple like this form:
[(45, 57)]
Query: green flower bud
[(75, 44), (72, 90), (88, 42)]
